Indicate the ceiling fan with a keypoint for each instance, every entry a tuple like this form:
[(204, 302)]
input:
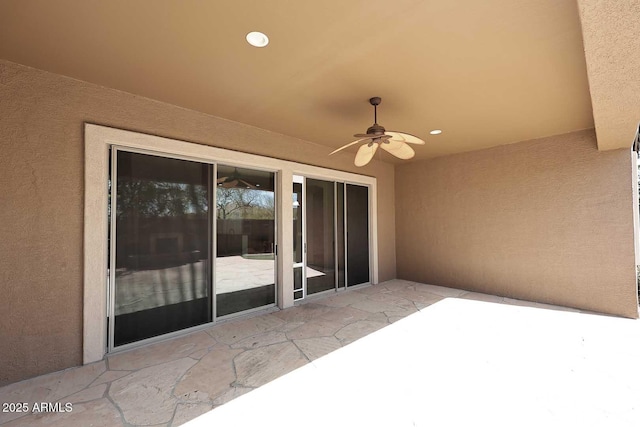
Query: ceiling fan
[(391, 141), (234, 181)]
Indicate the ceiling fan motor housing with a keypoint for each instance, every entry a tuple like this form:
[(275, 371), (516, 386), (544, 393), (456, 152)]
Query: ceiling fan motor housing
[(375, 129)]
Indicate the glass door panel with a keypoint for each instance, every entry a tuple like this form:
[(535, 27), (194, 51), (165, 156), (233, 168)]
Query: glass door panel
[(357, 234), (162, 262), (298, 291), (340, 234), (245, 232), (320, 235), (298, 240)]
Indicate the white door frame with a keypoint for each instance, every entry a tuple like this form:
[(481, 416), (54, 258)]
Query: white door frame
[(98, 140)]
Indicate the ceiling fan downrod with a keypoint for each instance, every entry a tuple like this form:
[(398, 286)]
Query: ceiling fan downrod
[(375, 129)]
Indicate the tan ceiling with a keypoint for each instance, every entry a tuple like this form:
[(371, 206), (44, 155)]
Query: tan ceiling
[(485, 72)]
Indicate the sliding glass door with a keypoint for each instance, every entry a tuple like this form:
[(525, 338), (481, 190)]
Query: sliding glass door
[(331, 235), (186, 246), (298, 238), (320, 227), (340, 235), (161, 213), (357, 225), (245, 235), (194, 241)]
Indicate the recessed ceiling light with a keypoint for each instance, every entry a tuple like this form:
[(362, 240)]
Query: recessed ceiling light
[(435, 132), (257, 39)]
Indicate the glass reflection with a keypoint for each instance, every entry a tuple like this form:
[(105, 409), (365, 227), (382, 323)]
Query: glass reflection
[(357, 234), (320, 236), (340, 234), (162, 274), (297, 222), (245, 273)]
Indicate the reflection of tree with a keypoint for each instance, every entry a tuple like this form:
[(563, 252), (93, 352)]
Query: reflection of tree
[(244, 203), (150, 199)]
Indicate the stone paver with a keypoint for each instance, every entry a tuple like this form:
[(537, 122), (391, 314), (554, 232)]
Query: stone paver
[(342, 299), (318, 328), (231, 394), (145, 397), (345, 315), (48, 388), (314, 348), (170, 382), (261, 340), (302, 313), (372, 306), (212, 375), (99, 413), (188, 411), (232, 332), (416, 296), (109, 376), (88, 394), (357, 330), (257, 367), (74, 380), (155, 354), (390, 298)]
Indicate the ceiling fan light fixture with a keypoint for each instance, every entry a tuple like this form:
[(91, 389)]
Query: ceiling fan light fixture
[(435, 132), (257, 39)]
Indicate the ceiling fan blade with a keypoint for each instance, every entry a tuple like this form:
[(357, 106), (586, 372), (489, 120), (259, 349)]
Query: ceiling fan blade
[(346, 146), (405, 137), (251, 186), (365, 154), (223, 179), (399, 149)]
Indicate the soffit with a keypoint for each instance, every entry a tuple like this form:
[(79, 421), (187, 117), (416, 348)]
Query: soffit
[(612, 51), (487, 73)]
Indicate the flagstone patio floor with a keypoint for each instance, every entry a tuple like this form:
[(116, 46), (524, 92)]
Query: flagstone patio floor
[(171, 382)]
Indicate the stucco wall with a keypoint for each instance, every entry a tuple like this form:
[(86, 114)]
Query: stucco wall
[(549, 220), (41, 200)]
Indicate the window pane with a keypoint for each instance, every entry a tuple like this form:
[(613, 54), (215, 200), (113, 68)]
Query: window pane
[(245, 274), (297, 222), (340, 234), (162, 277), (320, 236), (357, 234), (297, 278)]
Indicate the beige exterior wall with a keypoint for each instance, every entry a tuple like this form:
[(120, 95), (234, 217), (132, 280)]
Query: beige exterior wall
[(549, 220), (42, 119)]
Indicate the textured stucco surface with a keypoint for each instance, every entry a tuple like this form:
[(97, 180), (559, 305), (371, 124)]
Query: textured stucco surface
[(548, 220), (42, 119), (610, 32)]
